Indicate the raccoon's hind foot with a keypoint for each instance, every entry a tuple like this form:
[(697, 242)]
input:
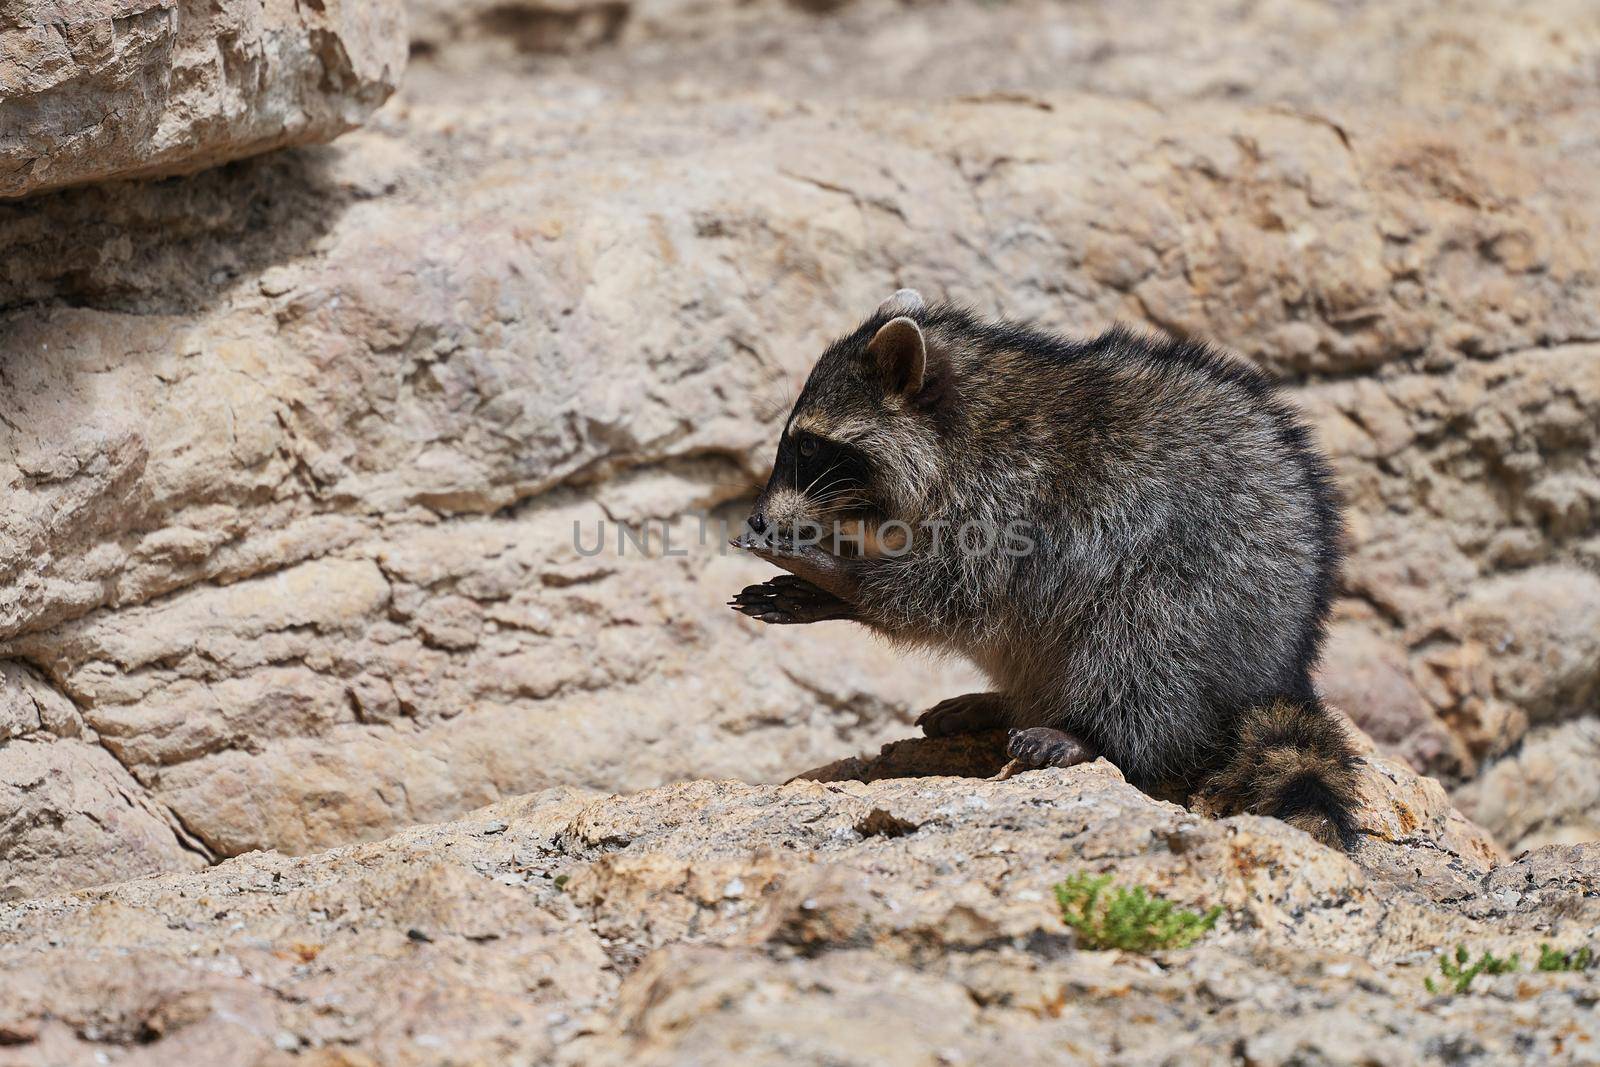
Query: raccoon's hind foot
[(787, 600), (969, 714), (1045, 746)]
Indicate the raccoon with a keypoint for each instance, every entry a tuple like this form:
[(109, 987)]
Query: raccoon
[(1133, 537)]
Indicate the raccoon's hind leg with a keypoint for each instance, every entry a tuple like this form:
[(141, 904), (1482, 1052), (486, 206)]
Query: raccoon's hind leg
[(787, 600), (1045, 746), (969, 714)]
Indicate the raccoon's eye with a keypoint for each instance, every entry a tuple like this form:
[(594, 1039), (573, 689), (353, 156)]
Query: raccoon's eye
[(808, 446)]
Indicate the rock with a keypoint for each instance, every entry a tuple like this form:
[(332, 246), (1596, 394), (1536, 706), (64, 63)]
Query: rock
[(1540, 635), (1398, 810), (1401, 812), (98, 89), (302, 456), (28, 705), (261, 589), (1546, 792), (1406, 54), (844, 922), (69, 812), (539, 26), (1371, 675), (1454, 559)]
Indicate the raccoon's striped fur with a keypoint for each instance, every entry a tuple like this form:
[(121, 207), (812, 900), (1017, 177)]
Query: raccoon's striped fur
[(1185, 537), (1292, 760)]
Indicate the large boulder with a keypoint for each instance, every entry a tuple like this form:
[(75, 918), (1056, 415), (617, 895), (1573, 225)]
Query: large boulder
[(99, 89)]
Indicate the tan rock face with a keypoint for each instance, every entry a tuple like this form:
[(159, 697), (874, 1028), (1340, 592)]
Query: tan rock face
[(1473, 604), (71, 807), (294, 450), (69, 812), (904, 920), (1298, 52), (1545, 792), (98, 89)]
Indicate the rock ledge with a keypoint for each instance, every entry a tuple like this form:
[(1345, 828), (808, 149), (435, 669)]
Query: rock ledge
[(904, 920)]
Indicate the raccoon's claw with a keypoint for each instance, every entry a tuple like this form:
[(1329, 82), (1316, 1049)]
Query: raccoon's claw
[(969, 714), (769, 546), (787, 600), (1043, 746), (771, 549)]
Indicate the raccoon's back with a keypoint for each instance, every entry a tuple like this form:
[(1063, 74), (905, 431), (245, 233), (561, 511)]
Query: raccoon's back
[(1196, 506)]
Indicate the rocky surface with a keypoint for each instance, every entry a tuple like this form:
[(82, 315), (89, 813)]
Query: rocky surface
[(1300, 53), (98, 89), (293, 449), (1544, 792), (905, 920)]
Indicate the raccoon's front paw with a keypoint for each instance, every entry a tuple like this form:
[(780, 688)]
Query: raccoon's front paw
[(829, 574), (787, 600), (1044, 746)]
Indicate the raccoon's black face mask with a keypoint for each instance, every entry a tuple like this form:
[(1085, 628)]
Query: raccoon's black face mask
[(815, 480), (822, 475)]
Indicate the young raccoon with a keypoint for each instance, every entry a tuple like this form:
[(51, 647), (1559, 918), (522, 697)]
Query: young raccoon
[(1132, 537)]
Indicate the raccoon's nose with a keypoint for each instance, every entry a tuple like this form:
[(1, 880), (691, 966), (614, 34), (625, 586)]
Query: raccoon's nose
[(758, 522)]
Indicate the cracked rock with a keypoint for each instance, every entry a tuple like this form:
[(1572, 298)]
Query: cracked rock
[(97, 89)]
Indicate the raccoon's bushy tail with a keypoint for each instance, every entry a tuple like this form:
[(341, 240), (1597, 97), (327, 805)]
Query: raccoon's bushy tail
[(1293, 760)]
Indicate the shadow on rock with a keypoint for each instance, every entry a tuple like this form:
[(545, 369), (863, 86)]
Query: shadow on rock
[(167, 246), (962, 756), (980, 755)]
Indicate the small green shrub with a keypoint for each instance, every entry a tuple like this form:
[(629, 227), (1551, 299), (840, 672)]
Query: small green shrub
[(1554, 960), (1460, 975), (1134, 920)]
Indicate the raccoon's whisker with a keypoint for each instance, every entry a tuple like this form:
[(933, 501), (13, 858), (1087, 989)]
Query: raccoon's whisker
[(780, 399), (834, 492), (831, 468), (839, 494), (844, 505), (832, 501)]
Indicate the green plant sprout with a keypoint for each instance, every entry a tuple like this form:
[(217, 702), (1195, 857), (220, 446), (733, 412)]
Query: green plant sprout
[(1134, 920), (1554, 960), (1460, 975)]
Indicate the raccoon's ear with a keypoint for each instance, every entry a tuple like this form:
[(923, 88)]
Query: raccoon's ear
[(902, 355), (903, 302)]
